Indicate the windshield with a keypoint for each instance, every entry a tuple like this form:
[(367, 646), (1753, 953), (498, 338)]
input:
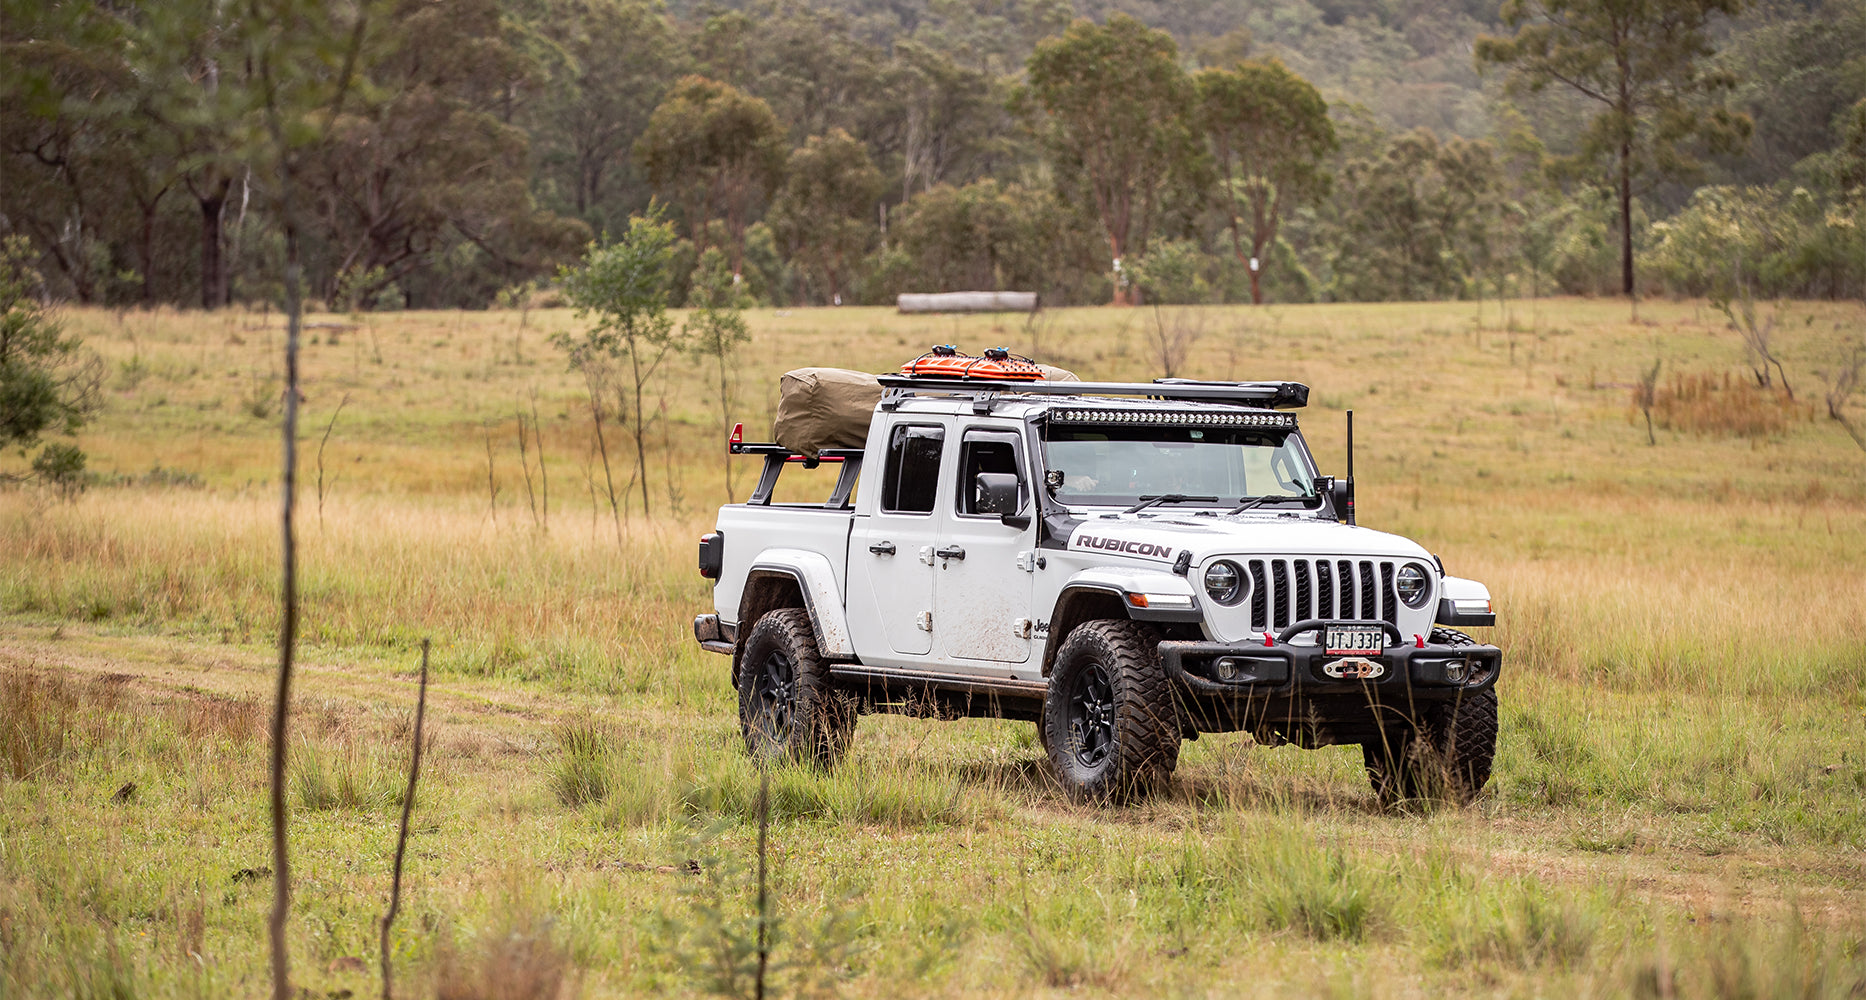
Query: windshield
[(1122, 465)]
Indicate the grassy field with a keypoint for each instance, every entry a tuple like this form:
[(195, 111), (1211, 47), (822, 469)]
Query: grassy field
[(1679, 807)]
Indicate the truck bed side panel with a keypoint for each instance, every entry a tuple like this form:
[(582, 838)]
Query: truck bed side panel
[(751, 529)]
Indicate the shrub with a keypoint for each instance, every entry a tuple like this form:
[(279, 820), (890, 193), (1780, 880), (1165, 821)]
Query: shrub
[(582, 770)]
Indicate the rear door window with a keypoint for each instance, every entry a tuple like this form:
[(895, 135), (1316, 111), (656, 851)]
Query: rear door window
[(911, 481)]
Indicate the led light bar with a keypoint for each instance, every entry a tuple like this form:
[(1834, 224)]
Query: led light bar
[(1171, 418)]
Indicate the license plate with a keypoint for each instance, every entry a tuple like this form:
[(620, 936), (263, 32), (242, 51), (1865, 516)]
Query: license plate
[(1349, 640)]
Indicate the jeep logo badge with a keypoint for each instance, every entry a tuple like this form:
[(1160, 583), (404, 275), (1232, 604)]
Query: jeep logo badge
[(1355, 668)]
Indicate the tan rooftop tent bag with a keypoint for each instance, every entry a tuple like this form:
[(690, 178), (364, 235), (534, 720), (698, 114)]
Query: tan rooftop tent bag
[(831, 407), (824, 408)]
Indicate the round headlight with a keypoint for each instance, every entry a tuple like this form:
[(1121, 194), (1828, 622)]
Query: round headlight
[(1412, 585), (1224, 582)]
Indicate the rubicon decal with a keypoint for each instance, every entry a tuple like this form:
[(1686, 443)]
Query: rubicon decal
[(1126, 545)]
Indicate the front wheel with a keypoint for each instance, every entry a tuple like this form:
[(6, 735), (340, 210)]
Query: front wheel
[(1109, 721), (788, 709), (1448, 757)]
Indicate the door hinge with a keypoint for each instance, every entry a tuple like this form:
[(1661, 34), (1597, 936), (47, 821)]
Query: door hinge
[(926, 554), (925, 620), (1021, 628), (1028, 560)]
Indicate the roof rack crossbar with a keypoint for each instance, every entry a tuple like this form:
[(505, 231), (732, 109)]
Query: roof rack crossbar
[(1275, 395)]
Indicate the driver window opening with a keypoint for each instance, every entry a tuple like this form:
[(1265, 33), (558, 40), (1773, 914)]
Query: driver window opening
[(984, 451)]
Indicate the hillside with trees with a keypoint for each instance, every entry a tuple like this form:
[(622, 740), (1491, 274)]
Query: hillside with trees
[(848, 150)]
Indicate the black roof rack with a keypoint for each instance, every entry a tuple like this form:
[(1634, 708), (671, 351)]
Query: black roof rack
[(1274, 395)]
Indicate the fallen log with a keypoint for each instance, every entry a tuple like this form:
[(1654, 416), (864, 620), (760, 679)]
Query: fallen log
[(967, 302)]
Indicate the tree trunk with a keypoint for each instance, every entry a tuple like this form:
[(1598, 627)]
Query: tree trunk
[(1626, 218), (1121, 297), (641, 435), (213, 262), (147, 252)]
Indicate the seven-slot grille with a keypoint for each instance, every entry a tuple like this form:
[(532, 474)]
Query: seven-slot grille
[(1284, 591)]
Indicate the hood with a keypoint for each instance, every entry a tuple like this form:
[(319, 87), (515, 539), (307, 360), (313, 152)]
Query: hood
[(1163, 537), (1295, 568)]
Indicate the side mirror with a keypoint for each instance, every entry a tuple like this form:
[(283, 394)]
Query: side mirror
[(996, 493), (1336, 490)]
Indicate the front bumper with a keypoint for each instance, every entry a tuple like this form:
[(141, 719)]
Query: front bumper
[(1284, 686)]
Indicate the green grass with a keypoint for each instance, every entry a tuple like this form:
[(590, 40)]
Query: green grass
[(1679, 806)]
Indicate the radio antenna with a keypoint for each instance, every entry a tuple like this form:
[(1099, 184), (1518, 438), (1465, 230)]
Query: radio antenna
[(1350, 466)]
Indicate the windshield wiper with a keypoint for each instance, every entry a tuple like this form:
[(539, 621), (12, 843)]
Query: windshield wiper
[(1255, 502), (1146, 502)]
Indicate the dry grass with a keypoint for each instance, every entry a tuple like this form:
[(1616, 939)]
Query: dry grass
[(1683, 757), (1709, 403)]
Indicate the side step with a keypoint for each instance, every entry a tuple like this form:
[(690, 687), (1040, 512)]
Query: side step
[(913, 692)]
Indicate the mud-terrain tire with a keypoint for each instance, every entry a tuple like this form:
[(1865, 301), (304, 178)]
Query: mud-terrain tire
[(1111, 726), (788, 709), (1448, 757)]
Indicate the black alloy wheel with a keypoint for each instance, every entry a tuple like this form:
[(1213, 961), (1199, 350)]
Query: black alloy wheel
[(774, 686), (788, 708), (1090, 707), (1111, 725)]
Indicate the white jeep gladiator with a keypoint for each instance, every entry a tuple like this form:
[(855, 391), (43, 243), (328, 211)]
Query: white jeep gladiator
[(1126, 564)]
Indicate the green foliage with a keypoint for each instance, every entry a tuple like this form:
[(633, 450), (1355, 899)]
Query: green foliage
[(47, 385), (825, 214), (474, 146), (1517, 925), (1774, 242), (1173, 272), (1798, 69), (326, 778), (716, 325), (623, 285), (983, 236), (60, 466), (1410, 217), (716, 933), (1115, 104), (716, 150), (604, 66)]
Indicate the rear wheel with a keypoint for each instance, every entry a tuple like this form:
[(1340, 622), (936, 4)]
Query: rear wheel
[(1109, 722), (788, 709)]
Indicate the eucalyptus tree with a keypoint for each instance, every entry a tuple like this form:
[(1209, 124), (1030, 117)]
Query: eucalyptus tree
[(623, 286), (1642, 65), (1115, 102), (717, 151), (1269, 133), (603, 67), (824, 213)]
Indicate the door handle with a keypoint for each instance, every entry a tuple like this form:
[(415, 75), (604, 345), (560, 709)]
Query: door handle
[(951, 552), (882, 548)]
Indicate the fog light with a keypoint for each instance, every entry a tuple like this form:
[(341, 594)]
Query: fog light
[(1455, 670), (1227, 668)]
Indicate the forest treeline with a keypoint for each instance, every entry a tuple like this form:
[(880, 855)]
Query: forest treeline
[(849, 150)]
